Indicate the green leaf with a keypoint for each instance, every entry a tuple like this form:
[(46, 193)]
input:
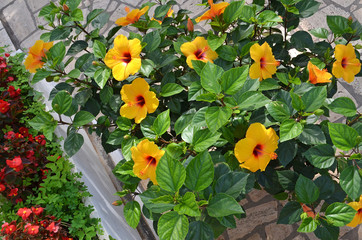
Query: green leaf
[(60, 33), (339, 214), (170, 174), (297, 102), (215, 41), (77, 47), (171, 89), (73, 143), (200, 230), (106, 94), (82, 118), (287, 179), (172, 226), (222, 205), (216, 117), (155, 192), (203, 139), (207, 97), (269, 84), (123, 123), (343, 136), (252, 100), (290, 213), (99, 49), (101, 76), (308, 225), (227, 53), (326, 231), (233, 80), (132, 213), (301, 40), (290, 129), (307, 7), (198, 66), (77, 15), (153, 40), (199, 172), (210, 75), (312, 135), (321, 156), (116, 137), (188, 206), (232, 183), (306, 190), (182, 122), (278, 110), (40, 75), (161, 11), (62, 102), (57, 52), (350, 181), (344, 106), (320, 33), (44, 122), (75, 73), (337, 24), (314, 98), (162, 122), (147, 67), (233, 11), (100, 20), (287, 151), (73, 4)]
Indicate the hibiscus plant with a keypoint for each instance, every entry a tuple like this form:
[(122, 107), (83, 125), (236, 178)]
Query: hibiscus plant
[(209, 116)]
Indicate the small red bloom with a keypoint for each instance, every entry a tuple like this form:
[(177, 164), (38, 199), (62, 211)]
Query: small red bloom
[(9, 135), (2, 187), (33, 229), (4, 106), (4, 226), (24, 131), (18, 136), (44, 223), (14, 93), (37, 210), (24, 213), (26, 227), (18, 200), (52, 227), (30, 137), (16, 163), (10, 79), (10, 229), (7, 55), (13, 192), (40, 139)]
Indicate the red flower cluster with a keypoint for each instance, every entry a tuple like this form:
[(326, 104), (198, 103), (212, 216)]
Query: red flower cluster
[(14, 93), (4, 106)]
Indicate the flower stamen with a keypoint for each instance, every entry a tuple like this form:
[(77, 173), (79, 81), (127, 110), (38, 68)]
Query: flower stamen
[(151, 160)]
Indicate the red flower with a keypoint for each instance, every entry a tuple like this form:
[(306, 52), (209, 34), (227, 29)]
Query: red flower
[(10, 229), (33, 229), (24, 213), (16, 163), (52, 227), (4, 106), (37, 210), (2, 187), (9, 135), (4, 226), (31, 139), (44, 223), (27, 226), (2, 173), (14, 93), (10, 79), (40, 139), (7, 55), (18, 200), (13, 192), (18, 135), (24, 131)]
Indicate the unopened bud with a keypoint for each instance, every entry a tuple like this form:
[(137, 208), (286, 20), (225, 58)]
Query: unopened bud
[(41, 27), (190, 25), (117, 203), (95, 63), (126, 137), (65, 7), (318, 112), (56, 79)]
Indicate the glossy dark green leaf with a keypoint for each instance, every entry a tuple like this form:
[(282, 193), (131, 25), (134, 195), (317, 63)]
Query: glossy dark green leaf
[(290, 129), (278, 110), (343, 136), (40, 75), (252, 100), (116, 137), (61, 102), (321, 156), (307, 7), (188, 206), (200, 230), (233, 11), (60, 33), (215, 41), (210, 76), (162, 123), (233, 80), (73, 143), (132, 213), (172, 226), (170, 174), (216, 117), (232, 183), (227, 53), (306, 190), (204, 139), (314, 98), (222, 205), (287, 179), (82, 118), (153, 40), (99, 49), (312, 135), (155, 192), (344, 106), (290, 213), (320, 33), (339, 214), (77, 47), (287, 151), (171, 89), (101, 76), (308, 225), (351, 182), (199, 172), (337, 24)]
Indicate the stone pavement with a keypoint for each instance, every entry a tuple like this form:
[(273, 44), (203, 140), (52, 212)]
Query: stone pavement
[(18, 29)]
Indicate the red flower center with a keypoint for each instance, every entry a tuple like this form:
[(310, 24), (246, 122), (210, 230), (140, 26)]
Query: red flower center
[(151, 160), (140, 100), (359, 211), (344, 63), (258, 150), (127, 57), (262, 63)]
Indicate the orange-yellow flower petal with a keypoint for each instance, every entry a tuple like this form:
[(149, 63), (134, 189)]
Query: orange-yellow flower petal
[(131, 17), (198, 49), (265, 64), (124, 58), (358, 217), (346, 65), (318, 76), (214, 11), (36, 54), (255, 151), (146, 156), (138, 100)]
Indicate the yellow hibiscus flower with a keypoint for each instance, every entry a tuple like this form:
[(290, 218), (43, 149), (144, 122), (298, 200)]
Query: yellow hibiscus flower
[(124, 58), (138, 100), (131, 17), (265, 64), (358, 217), (36, 54), (198, 49), (346, 65), (318, 76), (255, 151), (214, 11), (146, 156)]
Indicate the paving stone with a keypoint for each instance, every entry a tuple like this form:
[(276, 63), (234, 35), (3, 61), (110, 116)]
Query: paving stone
[(3, 3), (6, 41), (19, 19), (255, 216), (344, 3), (29, 41), (277, 231), (256, 236), (36, 5), (112, 6), (100, 4), (358, 14), (353, 7), (257, 195)]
